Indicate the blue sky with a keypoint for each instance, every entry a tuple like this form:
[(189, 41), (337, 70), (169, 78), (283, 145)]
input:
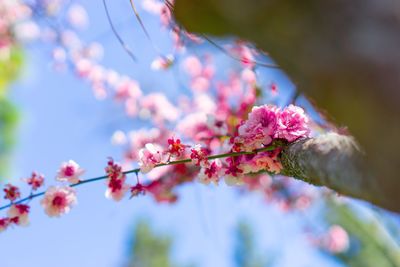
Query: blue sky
[(61, 120)]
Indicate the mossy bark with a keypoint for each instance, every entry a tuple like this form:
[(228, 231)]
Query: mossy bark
[(337, 162)]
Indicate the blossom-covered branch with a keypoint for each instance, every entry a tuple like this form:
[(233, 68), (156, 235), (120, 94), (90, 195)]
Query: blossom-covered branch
[(254, 149)]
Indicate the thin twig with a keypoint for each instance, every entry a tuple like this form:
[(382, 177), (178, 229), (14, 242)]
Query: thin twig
[(144, 28), (255, 62), (137, 170), (120, 40)]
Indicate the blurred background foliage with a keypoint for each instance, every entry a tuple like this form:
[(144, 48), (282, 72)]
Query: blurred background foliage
[(372, 241), (150, 249), (10, 65)]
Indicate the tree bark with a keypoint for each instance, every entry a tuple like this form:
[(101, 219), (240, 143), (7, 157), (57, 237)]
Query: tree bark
[(337, 162)]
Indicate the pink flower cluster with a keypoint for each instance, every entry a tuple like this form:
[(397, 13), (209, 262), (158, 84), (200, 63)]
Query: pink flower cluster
[(266, 123), (57, 200)]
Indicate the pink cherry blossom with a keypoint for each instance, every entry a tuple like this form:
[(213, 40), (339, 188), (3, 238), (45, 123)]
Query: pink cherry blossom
[(70, 172), (149, 157), (58, 200), (19, 214), (35, 181), (116, 188), (259, 128), (77, 16), (336, 240), (175, 147), (162, 63), (11, 192), (264, 161), (233, 172), (138, 189), (116, 182), (199, 155), (292, 124), (211, 173), (4, 223)]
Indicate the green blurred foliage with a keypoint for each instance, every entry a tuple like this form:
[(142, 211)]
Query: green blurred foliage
[(9, 70), (245, 249), (150, 249), (371, 244)]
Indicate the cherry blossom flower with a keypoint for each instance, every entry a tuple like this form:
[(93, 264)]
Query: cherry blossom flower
[(199, 156), (259, 128), (35, 181), (212, 173), (264, 161), (292, 124), (200, 75), (149, 157), (157, 107), (4, 223), (233, 174), (70, 172), (116, 186), (162, 63), (77, 16), (336, 240), (19, 214), (138, 189), (58, 200), (11, 192), (274, 89), (175, 147)]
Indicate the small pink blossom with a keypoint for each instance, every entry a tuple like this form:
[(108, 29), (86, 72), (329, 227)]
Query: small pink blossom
[(11, 192), (193, 66), (77, 16), (249, 76), (259, 128), (175, 147), (116, 188), (138, 189), (292, 124), (245, 54), (128, 89), (58, 200), (200, 75), (336, 240), (274, 89), (162, 63), (4, 223), (211, 173), (116, 182), (264, 161), (149, 157), (19, 214), (157, 107), (35, 181), (70, 172), (199, 156), (233, 172)]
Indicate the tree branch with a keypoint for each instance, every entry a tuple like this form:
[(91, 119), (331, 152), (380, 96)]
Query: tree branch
[(337, 162)]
